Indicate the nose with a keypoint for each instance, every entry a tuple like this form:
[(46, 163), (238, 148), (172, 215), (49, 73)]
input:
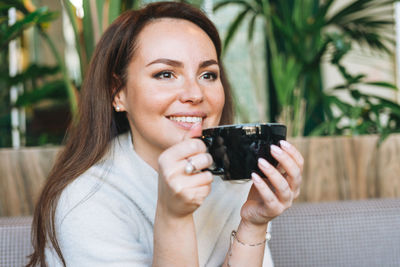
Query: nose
[(192, 93)]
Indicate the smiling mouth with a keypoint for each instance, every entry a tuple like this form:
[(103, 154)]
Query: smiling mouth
[(186, 119)]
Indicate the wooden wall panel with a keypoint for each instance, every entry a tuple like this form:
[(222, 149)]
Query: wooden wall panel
[(22, 174), (336, 168), (345, 168)]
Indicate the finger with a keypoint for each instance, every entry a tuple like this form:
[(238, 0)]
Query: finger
[(182, 150), (201, 161), (181, 183), (293, 152), (281, 185), (289, 165), (194, 131), (269, 198)]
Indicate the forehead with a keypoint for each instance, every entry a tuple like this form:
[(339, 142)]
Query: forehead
[(174, 37)]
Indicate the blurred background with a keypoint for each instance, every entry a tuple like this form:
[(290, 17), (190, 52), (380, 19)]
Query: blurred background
[(328, 69), (321, 67)]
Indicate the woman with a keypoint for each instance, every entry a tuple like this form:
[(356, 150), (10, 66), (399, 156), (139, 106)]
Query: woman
[(119, 194)]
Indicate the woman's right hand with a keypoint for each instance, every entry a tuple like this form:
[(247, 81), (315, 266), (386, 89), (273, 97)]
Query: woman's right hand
[(179, 193)]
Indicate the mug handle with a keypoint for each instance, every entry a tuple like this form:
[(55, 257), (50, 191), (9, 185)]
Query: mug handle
[(208, 141)]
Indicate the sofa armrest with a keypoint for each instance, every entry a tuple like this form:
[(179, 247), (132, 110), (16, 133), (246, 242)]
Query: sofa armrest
[(348, 233)]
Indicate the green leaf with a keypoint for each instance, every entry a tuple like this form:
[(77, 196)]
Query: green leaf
[(70, 12), (322, 12), (40, 15), (382, 138), (34, 71), (285, 74), (114, 10), (99, 10), (328, 127), (5, 7), (383, 84), (250, 32), (341, 87), (358, 6), (392, 106), (233, 28), (334, 100), (18, 4), (221, 4), (53, 90), (88, 33), (361, 20)]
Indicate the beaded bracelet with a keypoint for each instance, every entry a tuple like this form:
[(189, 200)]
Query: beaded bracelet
[(233, 237)]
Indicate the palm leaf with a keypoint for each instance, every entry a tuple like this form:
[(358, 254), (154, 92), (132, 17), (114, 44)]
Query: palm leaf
[(5, 7), (54, 89), (234, 27), (34, 71), (40, 15), (320, 17), (114, 10), (357, 7), (250, 32), (363, 21), (221, 4), (88, 32), (18, 4), (383, 84), (70, 12)]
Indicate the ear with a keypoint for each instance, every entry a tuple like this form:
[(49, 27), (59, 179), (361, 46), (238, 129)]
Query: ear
[(120, 101)]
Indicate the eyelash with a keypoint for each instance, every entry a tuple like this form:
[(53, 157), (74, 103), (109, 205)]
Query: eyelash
[(213, 75), (160, 74)]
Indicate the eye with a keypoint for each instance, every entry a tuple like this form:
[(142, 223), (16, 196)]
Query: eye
[(164, 75), (210, 76)]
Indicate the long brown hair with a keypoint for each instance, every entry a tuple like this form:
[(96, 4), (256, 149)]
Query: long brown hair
[(90, 135)]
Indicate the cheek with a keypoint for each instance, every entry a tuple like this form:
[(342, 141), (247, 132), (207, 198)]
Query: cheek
[(149, 102), (217, 100)]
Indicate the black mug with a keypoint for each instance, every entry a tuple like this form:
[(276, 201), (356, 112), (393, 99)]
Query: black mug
[(236, 149)]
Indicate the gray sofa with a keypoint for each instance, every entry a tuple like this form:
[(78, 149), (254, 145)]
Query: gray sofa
[(348, 233)]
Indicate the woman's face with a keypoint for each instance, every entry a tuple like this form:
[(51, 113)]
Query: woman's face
[(173, 81)]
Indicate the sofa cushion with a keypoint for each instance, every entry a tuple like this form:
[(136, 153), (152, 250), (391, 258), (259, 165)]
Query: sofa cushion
[(347, 233), (15, 241)]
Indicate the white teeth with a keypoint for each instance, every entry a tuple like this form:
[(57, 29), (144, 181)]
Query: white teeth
[(186, 119)]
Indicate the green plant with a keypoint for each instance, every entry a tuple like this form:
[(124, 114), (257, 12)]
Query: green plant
[(40, 82), (88, 29), (53, 83), (362, 113), (297, 37), (39, 18)]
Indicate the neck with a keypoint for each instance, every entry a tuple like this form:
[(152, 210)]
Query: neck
[(150, 156)]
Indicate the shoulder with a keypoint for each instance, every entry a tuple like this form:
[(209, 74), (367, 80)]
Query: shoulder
[(92, 203), (95, 225)]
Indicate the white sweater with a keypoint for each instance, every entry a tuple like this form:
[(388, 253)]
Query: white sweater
[(106, 216)]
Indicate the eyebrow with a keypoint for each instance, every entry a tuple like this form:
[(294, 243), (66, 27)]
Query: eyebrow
[(175, 63), (166, 61), (207, 63)]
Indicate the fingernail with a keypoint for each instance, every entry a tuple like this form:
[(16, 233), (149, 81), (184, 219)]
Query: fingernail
[(256, 178), (284, 144), (276, 149), (264, 163)]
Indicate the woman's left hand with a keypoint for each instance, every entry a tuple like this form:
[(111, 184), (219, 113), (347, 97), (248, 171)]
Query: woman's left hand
[(271, 196)]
